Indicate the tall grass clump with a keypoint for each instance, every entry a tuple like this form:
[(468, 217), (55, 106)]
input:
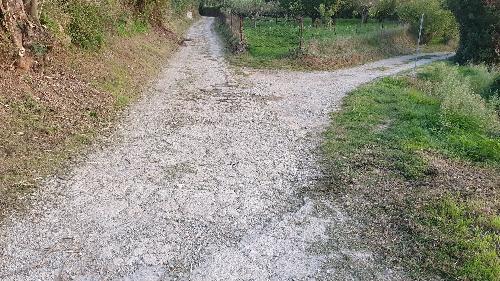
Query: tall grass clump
[(470, 125), (463, 108)]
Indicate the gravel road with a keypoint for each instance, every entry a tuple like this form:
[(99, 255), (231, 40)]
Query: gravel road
[(210, 176)]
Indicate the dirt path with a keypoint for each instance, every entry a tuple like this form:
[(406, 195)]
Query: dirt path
[(210, 177)]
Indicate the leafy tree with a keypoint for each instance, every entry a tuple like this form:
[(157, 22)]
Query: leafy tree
[(328, 13), (479, 24), (440, 25), (363, 7), (383, 9), (293, 7), (246, 8), (273, 9)]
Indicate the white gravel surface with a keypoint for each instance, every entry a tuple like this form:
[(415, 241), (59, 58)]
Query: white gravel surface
[(209, 177)]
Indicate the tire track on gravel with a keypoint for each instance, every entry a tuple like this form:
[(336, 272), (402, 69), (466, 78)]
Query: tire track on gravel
[(204, 179)]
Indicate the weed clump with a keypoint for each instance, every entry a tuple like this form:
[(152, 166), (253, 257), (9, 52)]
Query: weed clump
[(464, 109), (86, 27)]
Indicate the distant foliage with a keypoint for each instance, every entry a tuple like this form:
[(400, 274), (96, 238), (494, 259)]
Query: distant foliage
[(87, 23), (440, 25), (479, 22), (86, 27), (254, 8), (384, 9)]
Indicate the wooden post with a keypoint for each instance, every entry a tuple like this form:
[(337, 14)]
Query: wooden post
[(301, 33), (241, 29)]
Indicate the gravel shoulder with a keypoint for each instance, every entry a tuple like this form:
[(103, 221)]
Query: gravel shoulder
[(211, 176)]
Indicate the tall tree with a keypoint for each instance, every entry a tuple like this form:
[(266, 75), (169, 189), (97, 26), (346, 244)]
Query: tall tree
[(479, 24)]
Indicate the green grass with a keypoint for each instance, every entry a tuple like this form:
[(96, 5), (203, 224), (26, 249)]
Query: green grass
[(274, 41), (394, 123), (472, 239), (129, 26), (275, 45)]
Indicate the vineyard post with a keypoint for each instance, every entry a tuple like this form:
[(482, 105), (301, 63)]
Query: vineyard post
[(241, 29), (418, 41), (301, 33)]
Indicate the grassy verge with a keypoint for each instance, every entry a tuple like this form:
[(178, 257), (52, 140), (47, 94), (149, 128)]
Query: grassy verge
[(424, 154), (274, 45), (50, 114)]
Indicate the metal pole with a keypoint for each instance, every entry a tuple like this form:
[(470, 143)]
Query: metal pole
[(418, 42)]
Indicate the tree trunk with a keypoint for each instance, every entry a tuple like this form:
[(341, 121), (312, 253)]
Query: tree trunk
[(33, 10), (314, 21), (364, 16), (301, 34), (241, 29), (21, 27)]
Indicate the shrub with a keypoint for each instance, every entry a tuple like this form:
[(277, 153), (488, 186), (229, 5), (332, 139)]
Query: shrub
[(86, 27), (461, 107), (479, 30), (128, 25), (440, 25), (477, 79)]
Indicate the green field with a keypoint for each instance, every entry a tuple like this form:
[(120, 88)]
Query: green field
[(274, 41), (349, 42), (275, 45)]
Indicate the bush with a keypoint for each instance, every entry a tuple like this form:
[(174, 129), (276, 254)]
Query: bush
[(130, 25), (462, 106), (440, 25), (479, 23), (86, 27), (479, 80)]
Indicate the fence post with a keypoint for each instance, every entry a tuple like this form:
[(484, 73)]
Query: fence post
[(418, 41), (241, 29), (301, 33)]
